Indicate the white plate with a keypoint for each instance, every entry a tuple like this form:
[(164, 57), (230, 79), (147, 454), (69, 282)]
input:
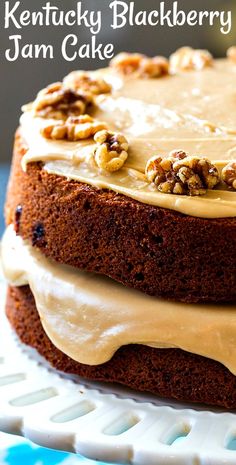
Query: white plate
[(106, 423)]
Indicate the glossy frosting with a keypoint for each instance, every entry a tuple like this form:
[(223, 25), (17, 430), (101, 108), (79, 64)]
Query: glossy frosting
[(88, 317), (194, 111)]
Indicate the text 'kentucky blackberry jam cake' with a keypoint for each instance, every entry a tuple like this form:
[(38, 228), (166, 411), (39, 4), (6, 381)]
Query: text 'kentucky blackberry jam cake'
[(120, 249)]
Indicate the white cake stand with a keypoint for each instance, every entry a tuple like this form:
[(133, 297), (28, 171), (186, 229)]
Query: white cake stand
[(104, 423)]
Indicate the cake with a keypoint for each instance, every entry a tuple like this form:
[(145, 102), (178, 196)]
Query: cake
[(120, 247)]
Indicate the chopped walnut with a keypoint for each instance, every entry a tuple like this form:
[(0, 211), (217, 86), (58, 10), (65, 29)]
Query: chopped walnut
[(182, 174), (111, 151), (229, 174), (81, 80), (74, 128), (231, 53), (186, 58), (140, 65), (59, 102)]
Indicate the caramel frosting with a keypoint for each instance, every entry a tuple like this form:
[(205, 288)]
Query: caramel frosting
[(88, 317), (194, 111)]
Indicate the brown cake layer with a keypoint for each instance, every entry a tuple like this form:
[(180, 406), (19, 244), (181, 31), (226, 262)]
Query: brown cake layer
[(170, 373), (158, 251)]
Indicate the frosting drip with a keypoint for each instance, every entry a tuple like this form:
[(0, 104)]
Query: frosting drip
[(194, 111), (88, 317)]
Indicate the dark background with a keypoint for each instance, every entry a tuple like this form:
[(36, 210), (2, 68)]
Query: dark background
[(21, 80)]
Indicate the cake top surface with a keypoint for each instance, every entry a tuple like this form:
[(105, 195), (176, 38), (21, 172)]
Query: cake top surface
[(190, 107)]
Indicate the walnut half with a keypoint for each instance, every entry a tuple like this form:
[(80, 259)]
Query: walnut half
[(73, 129), (231, 53), (229, 174), (111, 151), (140, 65), (82, 80), (59, 102), (186, 58), (182, 174)]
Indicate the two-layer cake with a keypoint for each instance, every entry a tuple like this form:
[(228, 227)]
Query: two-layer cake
[(120, 250)]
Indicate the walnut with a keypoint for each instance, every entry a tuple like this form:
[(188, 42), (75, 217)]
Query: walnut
[(140, 65), (231, 53), (81, 80), (111, 151), (74, 128), (153, 67), (186, 58), (182, 174), (59, 102), (127, 63), (229, 174)]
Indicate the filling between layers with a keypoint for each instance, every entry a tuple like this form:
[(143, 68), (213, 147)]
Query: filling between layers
[(88, 317)]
